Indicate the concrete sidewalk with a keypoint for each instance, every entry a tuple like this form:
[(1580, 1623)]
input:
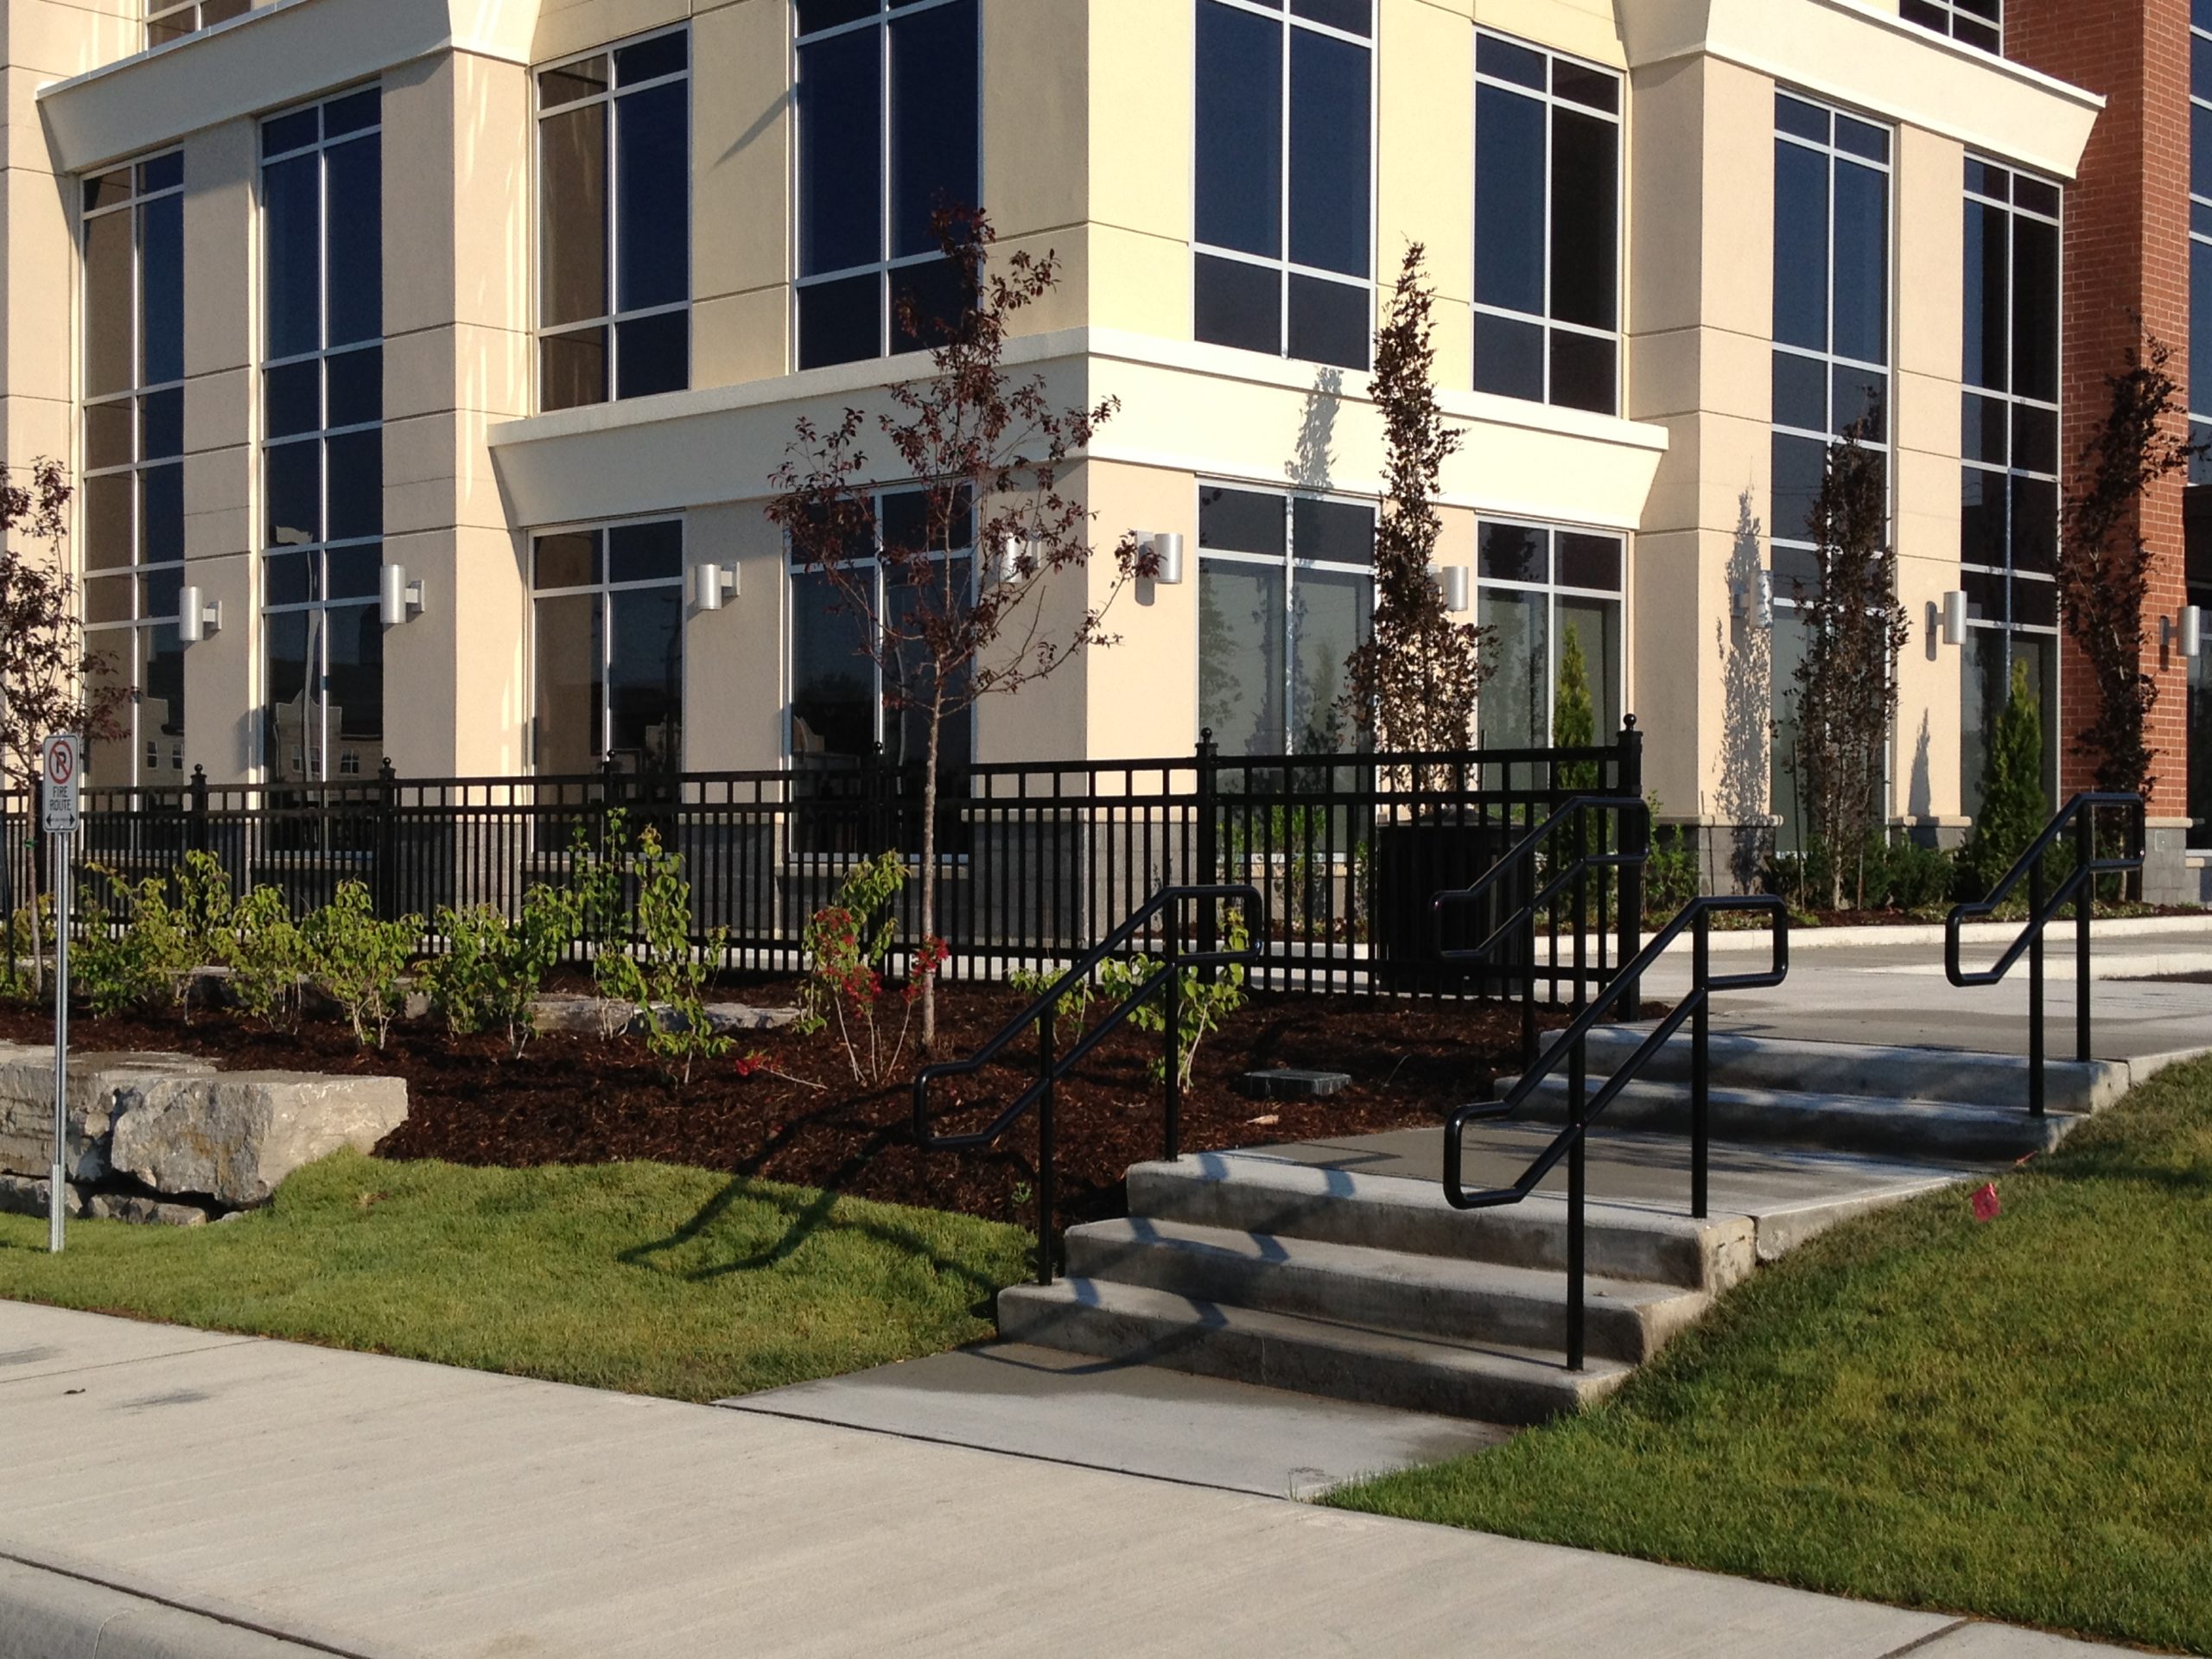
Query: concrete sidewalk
[(174, 1494)]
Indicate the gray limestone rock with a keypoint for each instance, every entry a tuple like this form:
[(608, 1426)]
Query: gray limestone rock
[(235, 1137), (116, 1206), (96, 1084), (22, 1196)]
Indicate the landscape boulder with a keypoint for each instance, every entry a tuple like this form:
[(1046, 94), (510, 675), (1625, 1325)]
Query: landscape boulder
[(235, 1136), (98, 1083)]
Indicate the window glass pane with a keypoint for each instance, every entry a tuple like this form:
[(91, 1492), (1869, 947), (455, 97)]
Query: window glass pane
[(352, 113), (161, 424), (356, 486), (1586, 561), (1799, 464), (2199, 150), (2034, 317), (1586, 214), (1515, 553), (356, 232), (1981, 517), (1594, 625), (110, 510), (1800, 391), (841, 322), (291, 211), (1988, 283), (2035, 439), (1510, 208), (828, 13), (294, 669), (652, 354), (356, 383), (288, 132), (287, 578), (1328, 322), (1788, 650), (1239, 136), (572, 82), (108, 190), (110, 306), (1336, 532), (1582, 371), (2035, 605), (1801, 247), (357, 684), (1241, 521), (567, 561), (644, 681), (161, 710), (108, 598), (840, 145), (1592, 86), (1328, 124), (1334, 615), (569, 652), (1862, 263), (1237, 304), (1804, 120), (833, 682), (108, 434), (2040, 198), (1508, 357), (572, 369), (1985, 436), (292, 400), (652, 150), (1858, 138), (925, 301), (1862, 397), (161, 515), (1510, 63), (1515, 708), (2035, 524), (573, 257), (162, 316), (1241, 639), (293, 473), (907, 682), (351, 572), (160, 591), (1353, 16), (664, 54), (2200, 328), (935, 119), (650, 552)]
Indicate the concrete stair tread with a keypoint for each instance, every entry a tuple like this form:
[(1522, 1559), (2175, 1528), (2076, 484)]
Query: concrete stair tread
[(1492, 1382), (1805, 1099)]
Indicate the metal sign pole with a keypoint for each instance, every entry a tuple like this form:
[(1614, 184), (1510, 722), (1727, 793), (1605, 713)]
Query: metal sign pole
[(56, 1197)]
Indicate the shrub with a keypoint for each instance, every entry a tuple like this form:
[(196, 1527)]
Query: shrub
[(1074, 1004), (847, 943), (666, 974), (125, 957), (268, 956), (1574, 716), (599, 883), (494, 969), (2014, 808), (359, 960), (1205, 1006)]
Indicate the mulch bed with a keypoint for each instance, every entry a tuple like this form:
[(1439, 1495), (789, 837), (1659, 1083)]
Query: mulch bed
[(579, 1099)]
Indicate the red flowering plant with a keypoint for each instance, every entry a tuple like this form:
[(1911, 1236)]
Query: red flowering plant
[(847, 944)]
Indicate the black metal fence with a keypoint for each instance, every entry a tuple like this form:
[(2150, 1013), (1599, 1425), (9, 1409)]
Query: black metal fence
[(1036, 862)]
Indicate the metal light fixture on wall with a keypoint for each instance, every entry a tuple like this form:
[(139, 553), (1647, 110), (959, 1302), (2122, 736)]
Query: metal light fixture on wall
[(2184, 632), (1955, 617), (197, 616), (1168, 555), (712, 585), (399, 599), (1752, 601), (1451, 580)]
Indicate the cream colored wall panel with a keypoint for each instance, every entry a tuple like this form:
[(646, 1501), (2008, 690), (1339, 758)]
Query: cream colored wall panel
[(488, 134), (1143, 59), (1928, 413), (562, 31), (1066, 304), (1852, 52), (1925, 760), (220, 480), (1425, 152), (741, 155), (1736, 214), (218, 410), (419, 172), (38, 282), (221, 675), (1584, 27), (1140, 282), (1930, 184), (59, 38), (418, 372), (492, 368), (1143, 695), (1036, 118), (1928, 508), (1668, 691), (221, 250), (32, 428), (454, 701), (734, 667), (224, 533), (740, 337)]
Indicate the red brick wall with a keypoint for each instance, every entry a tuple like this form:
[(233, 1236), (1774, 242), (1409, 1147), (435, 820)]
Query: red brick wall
[(2127, 256)]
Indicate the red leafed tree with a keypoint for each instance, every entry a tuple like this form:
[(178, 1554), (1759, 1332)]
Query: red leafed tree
[(960, 611), (48, 682)]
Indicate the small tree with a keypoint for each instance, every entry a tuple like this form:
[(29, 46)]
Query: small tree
[(1855, 629), (1412, 685), (988, 452), (2104, 565), (1574, 716), (2014, 808), (48, 681)]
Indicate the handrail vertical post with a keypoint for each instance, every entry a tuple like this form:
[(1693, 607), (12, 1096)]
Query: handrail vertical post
[(1700, 1072), (1044, 1149), (1173, 1061), (2035, 989), (1581, 907), (2085, 903), (1637, 824), (1577, 1191), (1208, 849)]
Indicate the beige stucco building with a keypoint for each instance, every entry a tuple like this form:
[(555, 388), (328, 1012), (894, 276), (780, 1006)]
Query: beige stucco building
[(394, 322)]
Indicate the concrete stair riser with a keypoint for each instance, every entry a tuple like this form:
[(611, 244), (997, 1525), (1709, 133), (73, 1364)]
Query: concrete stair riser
[(1306, 1356), (1419, 1295), (1867, 1071), (1253, 1195), (1922, 1129)]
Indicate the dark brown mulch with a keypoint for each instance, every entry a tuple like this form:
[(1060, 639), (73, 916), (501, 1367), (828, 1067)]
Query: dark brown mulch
[(578, 1099)]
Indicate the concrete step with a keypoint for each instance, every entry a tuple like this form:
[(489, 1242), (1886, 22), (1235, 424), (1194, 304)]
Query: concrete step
[(1931, 1129), (1285, 1200), (1867, 1070), (1495, 1383), (1420, 1295)]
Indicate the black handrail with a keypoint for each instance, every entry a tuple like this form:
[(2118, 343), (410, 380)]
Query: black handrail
[(1634, 851), (1572, 1045), (1051, 1068), (2080, 889)]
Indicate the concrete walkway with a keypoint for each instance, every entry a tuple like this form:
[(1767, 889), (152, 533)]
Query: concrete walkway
[(174, 1495)]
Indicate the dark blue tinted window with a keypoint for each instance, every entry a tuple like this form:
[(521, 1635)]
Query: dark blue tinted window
[(292, 217), (1583, 372), (652, 354), (935, 140), (1238, 304), (162, 271), (1508, 357), (161, 424), (1328, 322), (1239, 130), (1801, 247), (2034, 310), (664, 54), (1862, 263), (1328, 155), (356, 485), (1510, 63), (356, 387), (355, 113), (1988, 283), (355, 210), (288, 132), (161, 527), (1585, 220), (1353, 16), (2199, 327), (841, 143), (841, 322), (1510, 208), (1801, 392), (1241, 521), (652, 187), (650, 552), (292, 400)]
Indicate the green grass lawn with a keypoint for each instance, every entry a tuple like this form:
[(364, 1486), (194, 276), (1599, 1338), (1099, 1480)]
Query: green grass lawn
[(2011, 1419), (640, 1277)]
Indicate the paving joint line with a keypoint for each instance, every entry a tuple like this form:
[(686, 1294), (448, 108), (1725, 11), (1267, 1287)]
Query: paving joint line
[(118, 1364), (1921, 1643), (139, 1593)]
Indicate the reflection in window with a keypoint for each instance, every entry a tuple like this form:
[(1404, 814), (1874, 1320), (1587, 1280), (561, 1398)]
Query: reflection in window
[(2199, 242), (322, 432), (1548, 597), (1976, 22), (2008, 548), (1546, 227), (890, 132), (1831, 358), (133, 512), (615, 170), (172, 19), (1286, 595), (845, 702), (1284, 260), (608, 606)]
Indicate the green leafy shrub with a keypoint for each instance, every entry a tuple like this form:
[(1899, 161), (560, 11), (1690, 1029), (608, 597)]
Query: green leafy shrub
[(665, 974), (599, 886), (1205, 1006), (359, 961), (1074, 1004), (493, 968), (126, 950), (267, 956), (847, 943)]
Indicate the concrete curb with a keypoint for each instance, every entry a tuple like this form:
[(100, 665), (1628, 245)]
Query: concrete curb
[(47, 1612)]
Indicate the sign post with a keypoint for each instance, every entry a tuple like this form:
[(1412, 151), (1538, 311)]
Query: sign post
[(61, 762)]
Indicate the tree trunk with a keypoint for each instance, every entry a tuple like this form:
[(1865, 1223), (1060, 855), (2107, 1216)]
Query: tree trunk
[(929, 868)]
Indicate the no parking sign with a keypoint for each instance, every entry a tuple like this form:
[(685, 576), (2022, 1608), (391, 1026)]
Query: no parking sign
[(61, 762), (62, 766)]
